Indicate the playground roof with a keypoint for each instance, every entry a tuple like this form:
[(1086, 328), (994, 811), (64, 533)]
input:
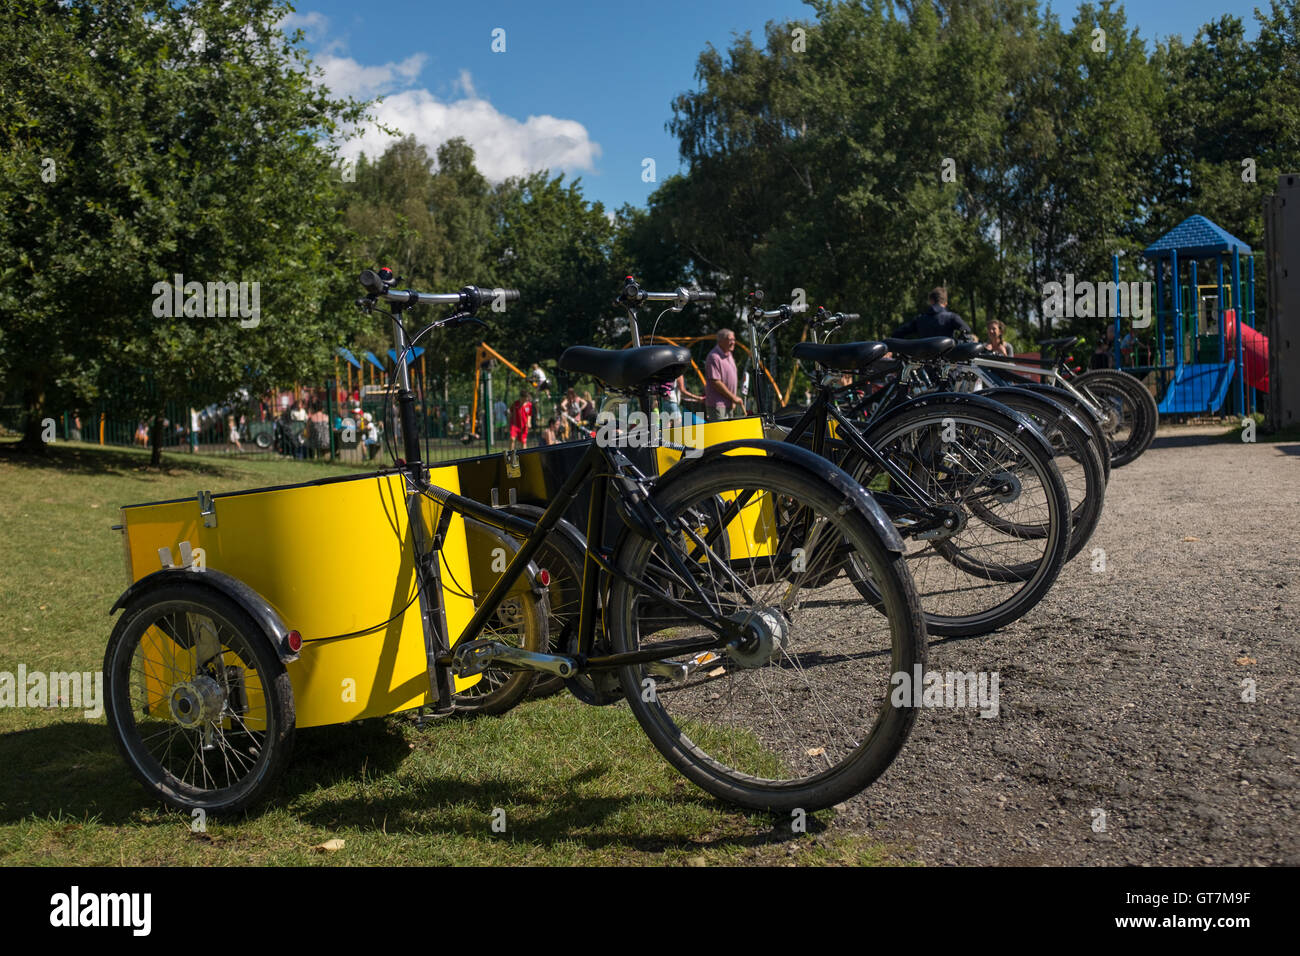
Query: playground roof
[(1195, 236)]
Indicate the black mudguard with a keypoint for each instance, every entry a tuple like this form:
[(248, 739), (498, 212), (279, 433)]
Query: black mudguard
[(258, 608), (812, 463)]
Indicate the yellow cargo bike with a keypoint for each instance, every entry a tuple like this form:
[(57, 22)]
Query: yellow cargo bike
[(712, 598)]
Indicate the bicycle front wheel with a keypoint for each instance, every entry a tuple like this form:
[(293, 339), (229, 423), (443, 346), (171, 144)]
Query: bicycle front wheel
[(799, 713)]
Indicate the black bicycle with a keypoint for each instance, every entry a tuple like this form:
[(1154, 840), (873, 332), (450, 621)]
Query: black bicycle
[(970, 484)]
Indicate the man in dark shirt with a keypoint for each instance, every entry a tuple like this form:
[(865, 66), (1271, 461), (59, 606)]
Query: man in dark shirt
[(935, 320)]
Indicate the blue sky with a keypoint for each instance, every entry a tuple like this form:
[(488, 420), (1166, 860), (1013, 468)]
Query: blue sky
[(581, 87)]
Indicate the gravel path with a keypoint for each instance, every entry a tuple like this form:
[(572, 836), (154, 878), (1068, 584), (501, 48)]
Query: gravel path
[(1121, 694)]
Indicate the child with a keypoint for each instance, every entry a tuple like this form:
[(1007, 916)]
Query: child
[(550, 435), (521, 414)]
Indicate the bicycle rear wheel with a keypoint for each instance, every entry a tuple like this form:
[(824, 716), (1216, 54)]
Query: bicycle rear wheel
[(1067, 399), (562, 555), (1011, 507), (797, 715), (520, 620)]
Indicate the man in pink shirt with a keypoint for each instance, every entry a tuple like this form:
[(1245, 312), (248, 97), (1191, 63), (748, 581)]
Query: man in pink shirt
[(720, 398)]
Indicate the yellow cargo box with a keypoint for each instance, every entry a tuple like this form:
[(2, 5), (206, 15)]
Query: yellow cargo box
[(333, 557)]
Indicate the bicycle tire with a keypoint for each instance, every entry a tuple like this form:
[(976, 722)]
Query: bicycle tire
[(1077, 459), (996, 590), (1067, 399), (762, 753), (237, 709), (1141, 394), (563, 557), (1126, 422)]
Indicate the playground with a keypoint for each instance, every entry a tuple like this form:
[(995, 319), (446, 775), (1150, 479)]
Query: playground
[(1201, 354)]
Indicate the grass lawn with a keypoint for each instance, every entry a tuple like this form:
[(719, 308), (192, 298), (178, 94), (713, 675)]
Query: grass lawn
[(577, 785)]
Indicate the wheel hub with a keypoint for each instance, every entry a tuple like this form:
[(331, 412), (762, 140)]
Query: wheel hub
[(1006, 487), (196, 702), (952, 523), (766, 635)]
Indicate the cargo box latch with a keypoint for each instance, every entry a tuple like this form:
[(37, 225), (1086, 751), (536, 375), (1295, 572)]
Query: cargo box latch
[(207, 509)]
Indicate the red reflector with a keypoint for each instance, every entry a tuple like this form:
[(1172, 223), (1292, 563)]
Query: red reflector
[(295, 641), (544, 578)]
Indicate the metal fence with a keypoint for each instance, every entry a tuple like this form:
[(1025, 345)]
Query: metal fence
[(350, 427)]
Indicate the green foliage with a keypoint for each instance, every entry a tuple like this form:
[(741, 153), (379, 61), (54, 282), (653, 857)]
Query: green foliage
[(823, 168), (890, 147), (186, 139)]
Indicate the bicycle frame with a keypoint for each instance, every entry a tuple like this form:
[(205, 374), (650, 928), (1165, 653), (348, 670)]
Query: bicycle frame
[(818, 417), (1051, 373), (603, 466)]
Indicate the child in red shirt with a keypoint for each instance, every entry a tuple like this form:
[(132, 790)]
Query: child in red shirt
[(521, 415)]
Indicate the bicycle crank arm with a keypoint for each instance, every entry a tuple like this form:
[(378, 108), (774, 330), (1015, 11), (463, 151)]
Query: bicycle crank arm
[(474, 657), (680, 670)]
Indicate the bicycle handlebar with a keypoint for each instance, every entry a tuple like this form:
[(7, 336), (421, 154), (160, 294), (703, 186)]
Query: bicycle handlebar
[(819, 318), (633, 295), (378, 285)]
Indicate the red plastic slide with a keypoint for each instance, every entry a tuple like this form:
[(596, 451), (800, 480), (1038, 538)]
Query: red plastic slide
[(1254, 350)]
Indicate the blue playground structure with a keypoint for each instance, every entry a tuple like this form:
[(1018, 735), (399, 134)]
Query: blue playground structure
[(1205, 362)]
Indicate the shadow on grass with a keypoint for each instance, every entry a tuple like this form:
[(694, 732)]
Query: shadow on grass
[(73, 769), (80, 459), (567, 815), (568, 810)]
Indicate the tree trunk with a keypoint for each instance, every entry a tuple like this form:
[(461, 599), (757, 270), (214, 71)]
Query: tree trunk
[(32, 442)]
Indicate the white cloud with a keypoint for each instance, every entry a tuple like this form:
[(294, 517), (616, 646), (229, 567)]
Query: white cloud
[(313, 25), (344, 76), (503, 145)]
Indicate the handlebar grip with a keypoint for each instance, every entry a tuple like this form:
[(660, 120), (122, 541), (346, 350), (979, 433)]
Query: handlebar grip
[(507, 295), (704, 296), (371, 282), (851, 316)]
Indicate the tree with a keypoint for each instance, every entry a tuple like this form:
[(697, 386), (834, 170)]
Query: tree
[(555, 247), (188, 140)]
